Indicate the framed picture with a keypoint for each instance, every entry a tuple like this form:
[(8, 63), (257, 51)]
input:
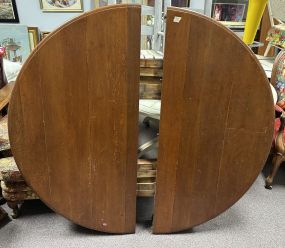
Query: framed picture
[(180, 3), (61, 5), (15, 39), (44, 35), (100, 3), (8, 11), (231, 13), (33, 37)]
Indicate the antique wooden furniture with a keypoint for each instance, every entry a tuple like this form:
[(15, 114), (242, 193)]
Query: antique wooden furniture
[(278, 80), (278, 150), (84, 132), (14, 188), (5, 149), (5, 91), (215, 127), (217, 93), (13, 185)]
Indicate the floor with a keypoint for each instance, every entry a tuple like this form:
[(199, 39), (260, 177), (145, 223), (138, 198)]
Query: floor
[(257, 220)]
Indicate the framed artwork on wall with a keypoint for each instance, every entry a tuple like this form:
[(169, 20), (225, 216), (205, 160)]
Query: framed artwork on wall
[(229, 13), (33, 37), (180, 3), (61, 5), (8, 11), (100, 3), (15, 39), (44, 34)]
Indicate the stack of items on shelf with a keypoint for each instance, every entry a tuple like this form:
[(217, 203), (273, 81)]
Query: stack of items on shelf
[(151, 64), (151, 72), (146, 178)]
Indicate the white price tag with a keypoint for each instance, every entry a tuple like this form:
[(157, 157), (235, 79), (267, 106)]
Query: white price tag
[(177, 19)]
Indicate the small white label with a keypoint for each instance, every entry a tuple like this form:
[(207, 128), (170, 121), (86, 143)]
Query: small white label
[(177, 19)]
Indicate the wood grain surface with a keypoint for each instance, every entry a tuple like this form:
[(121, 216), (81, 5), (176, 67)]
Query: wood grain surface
[(73, 118), (216, 122)]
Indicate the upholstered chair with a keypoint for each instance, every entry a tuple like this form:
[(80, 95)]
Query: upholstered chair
[(278, 148)]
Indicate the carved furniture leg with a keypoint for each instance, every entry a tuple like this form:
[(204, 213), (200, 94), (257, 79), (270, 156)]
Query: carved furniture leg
[(14, 206), (276, 162)]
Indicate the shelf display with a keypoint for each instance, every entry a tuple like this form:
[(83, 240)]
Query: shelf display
[(61, 5), (230, 12), (8, 11), (15, 39), (33, 37)]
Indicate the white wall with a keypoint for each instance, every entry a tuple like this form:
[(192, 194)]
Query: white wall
[(205, 5), (197, 4), (30, 14), (208, 7)]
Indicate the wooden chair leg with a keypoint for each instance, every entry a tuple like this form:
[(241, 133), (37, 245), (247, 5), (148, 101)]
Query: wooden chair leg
[(276, 162), (267, 50), (14, 206)]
